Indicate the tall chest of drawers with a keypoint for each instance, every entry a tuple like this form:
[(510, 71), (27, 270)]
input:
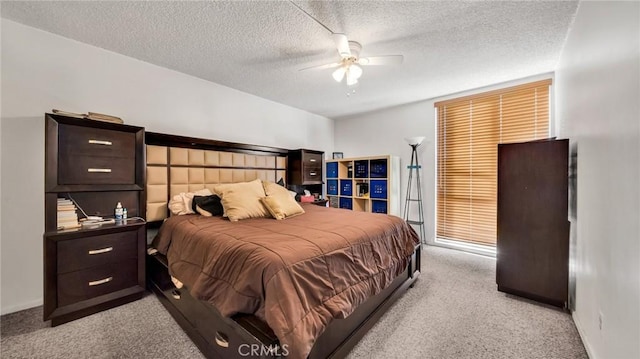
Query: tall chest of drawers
[(92, 268)]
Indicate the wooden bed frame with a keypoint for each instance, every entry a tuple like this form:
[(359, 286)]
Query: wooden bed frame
[(243, 335)]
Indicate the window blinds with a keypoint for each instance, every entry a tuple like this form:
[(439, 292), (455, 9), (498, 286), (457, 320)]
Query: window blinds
[(469, 131)]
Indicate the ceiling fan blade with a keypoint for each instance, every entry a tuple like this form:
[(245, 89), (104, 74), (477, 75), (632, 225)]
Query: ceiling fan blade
[(342, 44), (381, 60), (322, 67)]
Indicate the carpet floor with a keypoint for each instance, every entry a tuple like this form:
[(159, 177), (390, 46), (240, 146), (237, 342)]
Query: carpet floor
[(453, 311)]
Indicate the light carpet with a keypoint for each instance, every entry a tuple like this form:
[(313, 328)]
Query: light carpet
[(453, 311)]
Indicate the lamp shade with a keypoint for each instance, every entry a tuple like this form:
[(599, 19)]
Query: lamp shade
[(414, 141), (355, 71), (338, 74), (353, 74)]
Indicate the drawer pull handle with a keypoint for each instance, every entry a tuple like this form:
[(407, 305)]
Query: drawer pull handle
[(312, 160), (100, 142), (222, 340), (100, 251), (175, 294), (99, 170), (312, 173), (101, 281)]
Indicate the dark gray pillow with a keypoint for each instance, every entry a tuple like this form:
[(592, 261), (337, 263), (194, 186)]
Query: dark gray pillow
[(207, 205)]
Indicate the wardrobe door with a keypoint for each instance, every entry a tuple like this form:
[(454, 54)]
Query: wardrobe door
[(533, 230)]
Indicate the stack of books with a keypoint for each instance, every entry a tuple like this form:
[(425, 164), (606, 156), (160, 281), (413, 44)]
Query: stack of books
[(67, 215)]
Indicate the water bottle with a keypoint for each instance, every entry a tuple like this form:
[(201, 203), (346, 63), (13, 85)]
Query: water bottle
[(119, 212)]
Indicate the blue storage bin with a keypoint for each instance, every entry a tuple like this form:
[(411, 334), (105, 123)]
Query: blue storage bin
[(346, 188), (361, 169), (332, 187), (378, 189), (332, 169), (346, 203), (378, 168), (379, 206)]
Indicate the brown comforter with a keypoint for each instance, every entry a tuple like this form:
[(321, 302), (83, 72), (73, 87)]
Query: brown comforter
[(296, 274)]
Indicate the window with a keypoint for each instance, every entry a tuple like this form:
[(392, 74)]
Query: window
[(469, 131)]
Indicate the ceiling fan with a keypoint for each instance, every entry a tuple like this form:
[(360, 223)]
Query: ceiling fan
[(350, 63)]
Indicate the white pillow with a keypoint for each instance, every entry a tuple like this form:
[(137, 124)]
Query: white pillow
[(181, 203)]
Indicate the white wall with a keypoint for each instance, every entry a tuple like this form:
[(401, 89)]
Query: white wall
[(382, 132), (1, 192), (598, 95), (41, 71)]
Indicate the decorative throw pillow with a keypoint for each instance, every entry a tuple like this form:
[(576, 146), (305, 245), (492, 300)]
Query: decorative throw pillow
[(181, 203), (207, 205), (279, 201), (242, 200), (271, 189), (282, 207)]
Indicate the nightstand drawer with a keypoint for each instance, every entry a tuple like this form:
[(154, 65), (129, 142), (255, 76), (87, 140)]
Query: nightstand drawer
[(312, 159), (82, 253), (80, 285), (311, 167), (96, 170), (312, 174), (95, 142)]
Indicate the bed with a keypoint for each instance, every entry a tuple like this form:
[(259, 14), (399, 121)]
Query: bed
[(312, 292)]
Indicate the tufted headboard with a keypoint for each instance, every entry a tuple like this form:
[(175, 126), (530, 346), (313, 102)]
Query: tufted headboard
[(178, 164)]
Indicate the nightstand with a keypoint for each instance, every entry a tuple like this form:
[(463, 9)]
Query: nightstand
[(88, 270), (304, 170)]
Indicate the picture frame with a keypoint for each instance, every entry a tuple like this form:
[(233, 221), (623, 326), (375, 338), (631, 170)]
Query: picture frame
[(337, 155)]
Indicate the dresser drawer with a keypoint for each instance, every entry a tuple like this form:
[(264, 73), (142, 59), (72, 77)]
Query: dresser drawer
[(95, 142), (79, 169), (80, 285), (82, 253)]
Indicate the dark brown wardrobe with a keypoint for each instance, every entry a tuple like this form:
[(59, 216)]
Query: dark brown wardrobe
[(533, 230)]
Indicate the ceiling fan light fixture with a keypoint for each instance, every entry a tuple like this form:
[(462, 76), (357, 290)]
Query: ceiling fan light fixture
[(355, 71), (338, 74), (353, 74)]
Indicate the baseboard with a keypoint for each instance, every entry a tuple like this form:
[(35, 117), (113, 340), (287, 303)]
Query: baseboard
[(22, 306), (485, 251), (585, 342)]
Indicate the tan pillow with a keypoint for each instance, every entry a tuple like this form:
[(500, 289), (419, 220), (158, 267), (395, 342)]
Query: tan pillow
[(242, 200), (282, 206), (279, 201), (181, 203), (271, 189)]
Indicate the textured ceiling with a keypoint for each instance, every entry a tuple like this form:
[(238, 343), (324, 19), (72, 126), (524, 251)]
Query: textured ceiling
[(259, 46)]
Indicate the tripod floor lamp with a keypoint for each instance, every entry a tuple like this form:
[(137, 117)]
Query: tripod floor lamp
[(414, 182)]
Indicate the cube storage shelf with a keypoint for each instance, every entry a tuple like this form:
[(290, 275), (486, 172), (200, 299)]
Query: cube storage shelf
[(366, 184)]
